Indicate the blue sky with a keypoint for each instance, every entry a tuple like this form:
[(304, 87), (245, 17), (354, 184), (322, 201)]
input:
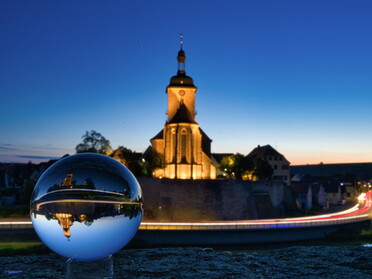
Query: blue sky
[(293, 74)]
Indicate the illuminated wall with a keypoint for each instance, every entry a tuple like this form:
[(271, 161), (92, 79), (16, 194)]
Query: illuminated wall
[(183, 145), (183, 154)]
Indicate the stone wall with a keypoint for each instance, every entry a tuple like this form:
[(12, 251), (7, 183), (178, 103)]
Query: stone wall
[(203, 200), (292, 262)]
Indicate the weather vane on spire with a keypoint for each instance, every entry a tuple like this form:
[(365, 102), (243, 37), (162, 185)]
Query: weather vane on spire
[(181, 40)]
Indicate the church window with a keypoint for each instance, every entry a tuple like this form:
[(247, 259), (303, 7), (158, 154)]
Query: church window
[(183, 144), (174, 144)]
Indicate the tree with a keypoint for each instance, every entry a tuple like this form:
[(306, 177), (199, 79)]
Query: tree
[(236, 165), (94, 142), (151, 161), (28, 188), (132, 160), (262, 169)]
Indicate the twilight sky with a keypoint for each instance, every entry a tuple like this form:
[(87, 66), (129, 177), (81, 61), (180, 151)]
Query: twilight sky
[(293, 74)]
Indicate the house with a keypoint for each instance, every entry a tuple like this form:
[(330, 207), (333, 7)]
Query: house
[(348, 191), (319, 195), (277, 161), (308, 195), (6, 181), (119, 156), (303, 195), (334, 194)]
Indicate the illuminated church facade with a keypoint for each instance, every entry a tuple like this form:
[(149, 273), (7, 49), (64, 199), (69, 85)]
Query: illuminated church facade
[(185, 148)]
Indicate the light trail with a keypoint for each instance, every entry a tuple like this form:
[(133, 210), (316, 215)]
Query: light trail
[(227, 223), (16, 223), (83, 201), (85, 190), (355, 214)]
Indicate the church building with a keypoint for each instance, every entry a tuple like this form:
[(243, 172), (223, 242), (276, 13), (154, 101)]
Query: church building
[(185, 148)]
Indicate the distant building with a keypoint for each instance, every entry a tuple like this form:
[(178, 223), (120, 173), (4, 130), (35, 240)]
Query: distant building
[(349, 192), (362, 171), (36, 175), (309, 194), (119, 156), (185, 147), (277, 161), (303, 195), (340, 181), (6, 181), (319, 194), (334, 194)]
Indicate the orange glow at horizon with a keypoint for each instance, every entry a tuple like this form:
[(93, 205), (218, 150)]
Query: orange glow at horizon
[(326, 158)]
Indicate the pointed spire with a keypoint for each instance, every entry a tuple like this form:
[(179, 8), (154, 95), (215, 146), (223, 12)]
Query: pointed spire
[(181, 79), (181, 40), (181, 58)]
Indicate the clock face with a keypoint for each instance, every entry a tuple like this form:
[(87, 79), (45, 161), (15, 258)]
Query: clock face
[(181, 92)]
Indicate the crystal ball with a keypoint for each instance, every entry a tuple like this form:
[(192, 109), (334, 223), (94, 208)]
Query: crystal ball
[(86, 207)]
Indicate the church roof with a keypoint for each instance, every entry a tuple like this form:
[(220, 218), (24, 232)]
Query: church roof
[(264, 151), (158, 135), (181, 79), (182, 116), (206, 143)]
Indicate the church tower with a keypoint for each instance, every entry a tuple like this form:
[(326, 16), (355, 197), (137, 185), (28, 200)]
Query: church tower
[(181, 90), (185, 148)]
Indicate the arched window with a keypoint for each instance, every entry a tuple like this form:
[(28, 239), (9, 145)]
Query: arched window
[(183, 145), (174, 145)]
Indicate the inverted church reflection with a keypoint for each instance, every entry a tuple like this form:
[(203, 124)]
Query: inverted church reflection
[(86, 207), (70, 202)]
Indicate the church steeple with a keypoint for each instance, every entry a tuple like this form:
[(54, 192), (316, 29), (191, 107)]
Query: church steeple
[(184, 147), (181, 89), (181, 79), (181, 58)]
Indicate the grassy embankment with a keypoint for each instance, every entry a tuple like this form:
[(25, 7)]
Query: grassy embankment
[(353, 235), (15, 244), (14, 211), (16, 248)]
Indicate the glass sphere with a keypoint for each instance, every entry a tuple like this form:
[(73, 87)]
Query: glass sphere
[(86, 206)]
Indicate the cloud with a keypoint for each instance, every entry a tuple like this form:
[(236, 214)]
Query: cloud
[(47, 147), (6, 147), (37, 157)]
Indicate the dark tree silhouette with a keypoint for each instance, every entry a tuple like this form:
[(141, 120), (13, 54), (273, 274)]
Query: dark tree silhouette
[(28, 188), (93, 142), (236, 165), (152, 161), (132, 160), (262, 170)]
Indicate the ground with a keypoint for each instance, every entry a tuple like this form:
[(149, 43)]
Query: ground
[(293, 262)]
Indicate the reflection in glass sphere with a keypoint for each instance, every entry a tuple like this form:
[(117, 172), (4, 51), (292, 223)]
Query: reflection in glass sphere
[(86, 206)]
